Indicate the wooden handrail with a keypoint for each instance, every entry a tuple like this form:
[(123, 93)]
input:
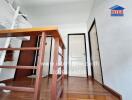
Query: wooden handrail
[(49, 31)]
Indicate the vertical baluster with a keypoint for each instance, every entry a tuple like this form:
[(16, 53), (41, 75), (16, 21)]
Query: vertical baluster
[(62, 68), (40, 67), (55, 70)]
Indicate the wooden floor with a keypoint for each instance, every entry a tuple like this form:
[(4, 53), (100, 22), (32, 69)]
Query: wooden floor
[(74, 89)]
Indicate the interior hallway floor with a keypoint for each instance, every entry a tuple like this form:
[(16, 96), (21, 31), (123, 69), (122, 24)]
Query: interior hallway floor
[(75, 88)]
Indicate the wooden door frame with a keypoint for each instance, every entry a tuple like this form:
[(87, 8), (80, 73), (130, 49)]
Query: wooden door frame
[(90, 51), (85, 52)]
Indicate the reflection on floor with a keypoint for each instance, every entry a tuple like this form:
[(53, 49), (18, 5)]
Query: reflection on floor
[(74, 89)]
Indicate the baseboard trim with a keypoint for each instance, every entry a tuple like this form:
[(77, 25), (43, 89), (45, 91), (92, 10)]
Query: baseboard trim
[(111, 90)]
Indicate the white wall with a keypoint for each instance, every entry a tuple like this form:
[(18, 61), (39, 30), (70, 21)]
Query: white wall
[(66, 29), (115, 38)]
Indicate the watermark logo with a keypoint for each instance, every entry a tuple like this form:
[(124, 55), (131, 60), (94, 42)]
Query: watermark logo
[(117, 10)]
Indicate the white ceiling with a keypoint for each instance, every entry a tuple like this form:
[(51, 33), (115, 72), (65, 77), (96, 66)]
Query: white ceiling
[(56, 12)]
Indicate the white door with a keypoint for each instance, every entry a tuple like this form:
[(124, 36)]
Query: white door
[(77, 57), (95, 55)]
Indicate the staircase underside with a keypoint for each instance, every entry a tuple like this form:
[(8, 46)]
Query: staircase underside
[(28, 55)]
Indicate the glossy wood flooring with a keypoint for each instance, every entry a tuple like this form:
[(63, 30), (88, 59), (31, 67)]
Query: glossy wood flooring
[(74, 89)]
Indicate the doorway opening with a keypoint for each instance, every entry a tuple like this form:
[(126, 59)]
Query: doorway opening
[(95, 59), (77, 55)]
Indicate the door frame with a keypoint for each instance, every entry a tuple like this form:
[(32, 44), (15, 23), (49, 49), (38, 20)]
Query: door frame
[(85, 52), (90, 51)]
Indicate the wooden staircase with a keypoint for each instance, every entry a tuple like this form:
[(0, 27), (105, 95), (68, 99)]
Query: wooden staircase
[(57, 82)]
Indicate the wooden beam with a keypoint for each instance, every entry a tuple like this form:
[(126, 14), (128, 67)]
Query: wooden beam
[(28, 30), (49, 31)]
